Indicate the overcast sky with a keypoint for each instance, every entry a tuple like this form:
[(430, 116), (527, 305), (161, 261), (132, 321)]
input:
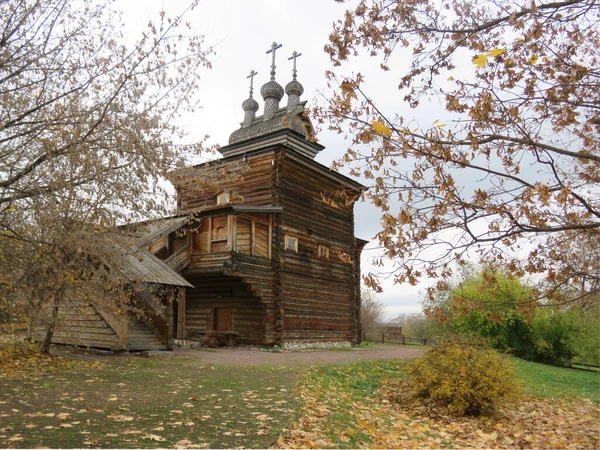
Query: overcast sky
[(242, 31)]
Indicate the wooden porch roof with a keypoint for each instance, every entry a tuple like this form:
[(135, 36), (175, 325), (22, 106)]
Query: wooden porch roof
[(145, 267)]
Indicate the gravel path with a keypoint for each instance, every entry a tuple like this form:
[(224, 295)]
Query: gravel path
[(254, 357)]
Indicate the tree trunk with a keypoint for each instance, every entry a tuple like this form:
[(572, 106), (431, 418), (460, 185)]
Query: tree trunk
[(50, 330)]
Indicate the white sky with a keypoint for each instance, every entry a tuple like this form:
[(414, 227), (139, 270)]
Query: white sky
[(242, 31)]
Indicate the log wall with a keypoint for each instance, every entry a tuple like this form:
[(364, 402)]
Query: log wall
[(311, 294), (209, 293), (319, 294)]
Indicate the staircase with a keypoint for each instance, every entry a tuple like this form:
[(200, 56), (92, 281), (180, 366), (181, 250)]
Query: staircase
[(143, 337)]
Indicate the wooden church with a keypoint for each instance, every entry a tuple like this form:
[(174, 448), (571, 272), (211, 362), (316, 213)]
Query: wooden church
[(263, 246)]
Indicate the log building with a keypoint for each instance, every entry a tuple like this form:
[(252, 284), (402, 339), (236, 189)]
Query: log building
[(265, 235)]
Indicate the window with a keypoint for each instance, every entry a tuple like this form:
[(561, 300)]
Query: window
[(323, 251), (291, 243), (218, 235), (223, 198)]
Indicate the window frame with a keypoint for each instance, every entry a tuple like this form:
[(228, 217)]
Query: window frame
[(226, 194), (294, 239), (320, 248)]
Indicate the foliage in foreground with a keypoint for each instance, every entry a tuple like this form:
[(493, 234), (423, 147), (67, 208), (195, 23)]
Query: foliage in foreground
[(368, 405), (510, 170), (87, 124), (464, 378)]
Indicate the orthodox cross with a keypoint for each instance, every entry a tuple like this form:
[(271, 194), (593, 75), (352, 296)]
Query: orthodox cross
[(251, 76), (294, 56), (274, 46)]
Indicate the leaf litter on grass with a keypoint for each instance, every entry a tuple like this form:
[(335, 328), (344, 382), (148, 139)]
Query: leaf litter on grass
[(194, 408), (337, 413)]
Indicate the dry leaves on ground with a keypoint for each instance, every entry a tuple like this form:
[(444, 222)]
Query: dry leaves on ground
[(25, 362), (392, 419)]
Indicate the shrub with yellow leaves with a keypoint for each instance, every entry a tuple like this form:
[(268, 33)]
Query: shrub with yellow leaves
[(464, 378)]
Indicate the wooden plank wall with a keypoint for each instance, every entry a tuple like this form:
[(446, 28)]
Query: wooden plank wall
[(80, 324), (248, 180), (302, 190), (259, 276), (318, 294)]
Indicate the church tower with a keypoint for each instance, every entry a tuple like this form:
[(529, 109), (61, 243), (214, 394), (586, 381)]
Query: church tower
[(273, 257)]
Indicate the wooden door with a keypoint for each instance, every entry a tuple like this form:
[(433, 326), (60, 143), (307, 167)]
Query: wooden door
[(222, 319)]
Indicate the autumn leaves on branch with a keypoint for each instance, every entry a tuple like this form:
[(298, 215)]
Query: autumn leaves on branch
[(509, 175)]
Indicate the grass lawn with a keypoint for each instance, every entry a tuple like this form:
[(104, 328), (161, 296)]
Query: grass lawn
[(366, 405), (176, 402), (541, 380), (139, 402)]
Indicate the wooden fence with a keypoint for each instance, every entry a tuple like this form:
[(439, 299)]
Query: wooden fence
[(393, 338)]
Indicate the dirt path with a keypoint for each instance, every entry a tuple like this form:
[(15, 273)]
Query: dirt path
[(254, 357)]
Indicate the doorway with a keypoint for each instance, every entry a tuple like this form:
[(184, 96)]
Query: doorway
[(222, 319)]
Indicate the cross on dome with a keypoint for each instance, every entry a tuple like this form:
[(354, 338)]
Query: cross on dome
[(251, 76), (294, 56), (274, 47)]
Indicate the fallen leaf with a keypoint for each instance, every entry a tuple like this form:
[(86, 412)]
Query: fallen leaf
[(121, 418), (153, 437)]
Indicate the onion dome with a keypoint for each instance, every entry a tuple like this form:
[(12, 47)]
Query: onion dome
[(250, 106)]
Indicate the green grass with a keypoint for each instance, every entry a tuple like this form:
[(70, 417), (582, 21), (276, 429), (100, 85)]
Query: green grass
[(346, 406), (541, 380), (148, 403), (342, 388)]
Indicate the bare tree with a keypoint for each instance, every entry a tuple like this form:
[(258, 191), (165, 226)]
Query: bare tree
[(86, 125), (371, 311)]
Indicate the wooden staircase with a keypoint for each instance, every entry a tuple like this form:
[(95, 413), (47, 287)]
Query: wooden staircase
[(142, 336)]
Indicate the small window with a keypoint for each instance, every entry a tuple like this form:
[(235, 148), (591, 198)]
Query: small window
[(223, 198), (291, 243), (323, 251)]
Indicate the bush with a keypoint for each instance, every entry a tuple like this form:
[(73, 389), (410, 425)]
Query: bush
[(588, 340), (464, 378), (555, 334)]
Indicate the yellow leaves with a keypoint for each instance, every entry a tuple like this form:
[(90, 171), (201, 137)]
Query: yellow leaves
[(481, 60), (381, 129), (533, 59), (121, 418), (24, 362), (496, 52)]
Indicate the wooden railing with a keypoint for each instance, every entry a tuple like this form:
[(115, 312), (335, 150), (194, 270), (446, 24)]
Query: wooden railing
[(118, 322), (156, 319), (180, 259), (210, 260)]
